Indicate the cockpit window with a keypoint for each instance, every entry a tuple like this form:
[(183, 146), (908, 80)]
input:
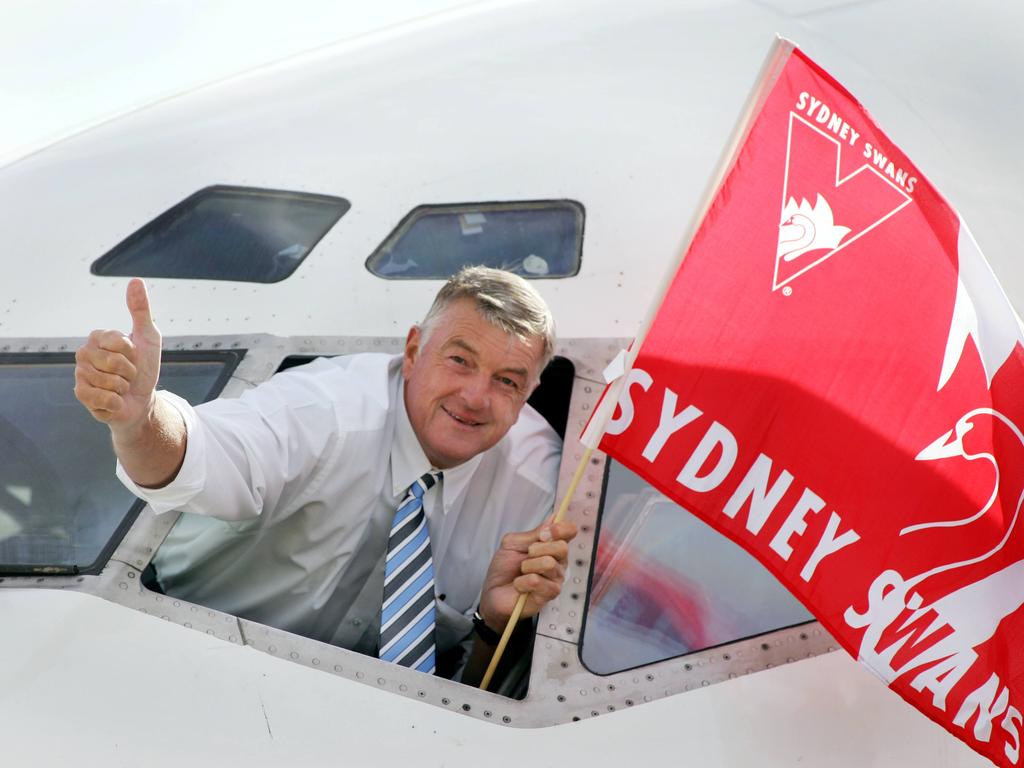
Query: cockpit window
[(227, 233), (532, 239), (61, 507), (664, 584)]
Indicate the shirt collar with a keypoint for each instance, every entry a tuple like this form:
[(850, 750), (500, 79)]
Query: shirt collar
[(409, 463)]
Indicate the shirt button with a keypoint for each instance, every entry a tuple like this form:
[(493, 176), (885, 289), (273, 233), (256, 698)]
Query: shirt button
[(357, 623)]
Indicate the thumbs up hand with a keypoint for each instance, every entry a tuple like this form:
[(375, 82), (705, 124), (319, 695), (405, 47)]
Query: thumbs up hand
[(115, 374)]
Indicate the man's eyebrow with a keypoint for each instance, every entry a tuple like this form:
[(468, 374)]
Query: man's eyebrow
[(461, 345), (457, 342)]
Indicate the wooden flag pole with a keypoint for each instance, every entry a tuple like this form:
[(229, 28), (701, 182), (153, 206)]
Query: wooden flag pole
[(521, 602)]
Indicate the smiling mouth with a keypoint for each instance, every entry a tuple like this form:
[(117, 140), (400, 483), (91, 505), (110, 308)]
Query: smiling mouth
[(465, 422)]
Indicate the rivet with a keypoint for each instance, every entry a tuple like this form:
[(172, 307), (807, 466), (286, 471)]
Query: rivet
[(564, 664), (403, 687), (316, 662), (487, 713), (360, 675), (650, 677), (594, 712), (575, 719), (272, 649), (446, 701), (629, 702), (466, 707), (294, 655), (506, 719), (131, 575), (123, 585), (381, 681), (188, 624), (337, 667), (421, 694), (560, 698)]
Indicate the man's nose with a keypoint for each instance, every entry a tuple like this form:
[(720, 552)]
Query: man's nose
[(476, 391)]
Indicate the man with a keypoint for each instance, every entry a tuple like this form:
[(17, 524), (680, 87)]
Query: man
[(307, 470)]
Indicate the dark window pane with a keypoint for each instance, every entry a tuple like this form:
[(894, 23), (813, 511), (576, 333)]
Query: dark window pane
[(534, 240), (227, 233), (665, 584), (60, 504)]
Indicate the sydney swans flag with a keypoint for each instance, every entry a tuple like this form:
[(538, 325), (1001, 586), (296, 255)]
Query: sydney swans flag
[(834, 381)]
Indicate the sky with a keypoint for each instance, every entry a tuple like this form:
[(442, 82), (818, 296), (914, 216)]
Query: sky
[(66, 64)]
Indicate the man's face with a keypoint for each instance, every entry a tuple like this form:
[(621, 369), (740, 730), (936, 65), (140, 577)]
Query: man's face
[(465, 385)]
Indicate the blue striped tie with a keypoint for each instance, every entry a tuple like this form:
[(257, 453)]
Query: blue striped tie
[(407, 615)]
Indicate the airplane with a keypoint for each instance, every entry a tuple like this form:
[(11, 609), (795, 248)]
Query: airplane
[(567, 140)]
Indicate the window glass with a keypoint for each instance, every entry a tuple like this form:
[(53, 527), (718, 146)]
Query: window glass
[(665, 584), (60, 505), (532, 239), (227, 233)]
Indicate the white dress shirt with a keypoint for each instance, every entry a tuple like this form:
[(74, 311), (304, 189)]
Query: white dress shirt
[(304, 474)]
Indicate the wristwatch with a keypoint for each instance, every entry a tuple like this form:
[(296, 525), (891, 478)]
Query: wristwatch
[(486, 634)]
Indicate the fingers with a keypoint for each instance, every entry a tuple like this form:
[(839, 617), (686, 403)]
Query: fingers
[(522, 541), (104, 372), (541, 590), (88, 376), (547, 566), (102, 403), (137, 299), (109, 352)]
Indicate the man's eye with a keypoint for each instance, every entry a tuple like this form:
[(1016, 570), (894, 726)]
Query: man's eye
[(458, 359), (507, 382)]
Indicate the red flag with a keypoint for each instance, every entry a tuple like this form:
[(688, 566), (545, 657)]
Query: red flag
[(834, 381)]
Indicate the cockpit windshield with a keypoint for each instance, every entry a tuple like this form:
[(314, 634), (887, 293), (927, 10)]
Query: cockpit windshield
[(61, 507)]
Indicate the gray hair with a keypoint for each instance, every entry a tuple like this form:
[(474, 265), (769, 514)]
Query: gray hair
[(503, 299)]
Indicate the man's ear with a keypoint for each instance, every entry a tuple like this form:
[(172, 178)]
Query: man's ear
[(412, 350)]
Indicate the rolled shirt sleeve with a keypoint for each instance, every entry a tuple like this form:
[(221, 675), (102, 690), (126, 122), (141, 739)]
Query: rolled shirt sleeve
[(190, 478)]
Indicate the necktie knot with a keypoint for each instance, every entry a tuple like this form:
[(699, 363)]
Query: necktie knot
[(425, 483)]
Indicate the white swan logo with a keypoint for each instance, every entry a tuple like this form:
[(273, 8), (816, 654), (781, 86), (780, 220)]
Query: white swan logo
[(845, 208), (805, 228)]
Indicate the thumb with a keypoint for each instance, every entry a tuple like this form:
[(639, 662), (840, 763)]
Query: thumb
[(138, 304)]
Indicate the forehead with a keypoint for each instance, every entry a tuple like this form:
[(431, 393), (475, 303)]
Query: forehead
[(461, 324)]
